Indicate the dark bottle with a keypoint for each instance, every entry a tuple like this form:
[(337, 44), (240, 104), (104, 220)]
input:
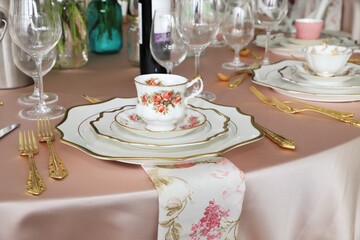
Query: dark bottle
[(105, 26), (146, 9)]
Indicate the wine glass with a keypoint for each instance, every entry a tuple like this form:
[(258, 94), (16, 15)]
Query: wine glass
[(166, 46), (36, 28), (269, 13), (26, 64), (238, 29), (198, 23), (219, 40)]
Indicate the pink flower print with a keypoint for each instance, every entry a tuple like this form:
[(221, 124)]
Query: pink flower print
[(167, 95), (153, 82), (177, 99), (209, 225), (161, 108), (145, 99), (157, 99), (134, 118)]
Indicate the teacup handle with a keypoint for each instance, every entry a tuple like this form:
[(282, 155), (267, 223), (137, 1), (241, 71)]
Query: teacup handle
[(196, 90)]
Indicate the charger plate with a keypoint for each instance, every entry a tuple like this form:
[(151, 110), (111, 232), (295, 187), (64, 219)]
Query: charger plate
[(269, 76), (107, 126), (76, 131)]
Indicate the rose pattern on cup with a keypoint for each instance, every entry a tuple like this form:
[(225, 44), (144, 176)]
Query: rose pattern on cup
[(162, 100)]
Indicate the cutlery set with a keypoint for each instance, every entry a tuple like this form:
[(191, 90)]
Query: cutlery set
[(284, 107), (28, 147)]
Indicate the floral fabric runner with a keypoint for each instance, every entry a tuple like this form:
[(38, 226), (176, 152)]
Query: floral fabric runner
[(198, 201)]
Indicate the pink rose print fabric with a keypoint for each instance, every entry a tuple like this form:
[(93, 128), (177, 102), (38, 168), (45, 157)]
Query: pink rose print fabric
[(198, 201)]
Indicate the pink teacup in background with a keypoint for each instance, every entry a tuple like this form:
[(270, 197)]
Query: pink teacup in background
[(308, 28)]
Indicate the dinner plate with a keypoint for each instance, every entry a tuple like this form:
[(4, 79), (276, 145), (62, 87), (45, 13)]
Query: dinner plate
[(298, 75), (216, 125), (128, 119), (269, 76), (76, 131), (281, 45)]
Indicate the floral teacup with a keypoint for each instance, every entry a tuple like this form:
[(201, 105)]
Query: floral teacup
[(161, 99)]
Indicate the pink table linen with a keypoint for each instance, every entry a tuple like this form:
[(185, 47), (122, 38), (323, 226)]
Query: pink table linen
[(309, 193)]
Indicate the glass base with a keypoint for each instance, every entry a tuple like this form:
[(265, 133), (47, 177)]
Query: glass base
[(33, 113), (30, 99), (235, 66), (207, 95)]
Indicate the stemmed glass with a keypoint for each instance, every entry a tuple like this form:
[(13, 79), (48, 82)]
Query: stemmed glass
[(166, 46), (198, 23), (26, 64), (36, 28), (269, 13), (238, 29)]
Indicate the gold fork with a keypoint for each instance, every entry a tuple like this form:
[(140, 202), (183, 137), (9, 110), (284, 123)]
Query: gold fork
[(287, 109), (57, 170), (267, 100), (28, 147)]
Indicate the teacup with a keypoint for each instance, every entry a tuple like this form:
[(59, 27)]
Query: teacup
[(308, 28), (327, 60), (161, 99)]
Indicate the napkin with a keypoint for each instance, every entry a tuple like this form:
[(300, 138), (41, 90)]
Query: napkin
[(200, 200)]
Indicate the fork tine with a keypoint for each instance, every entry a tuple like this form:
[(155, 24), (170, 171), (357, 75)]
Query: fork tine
[(21, 141), (34, 144), (48, 127)]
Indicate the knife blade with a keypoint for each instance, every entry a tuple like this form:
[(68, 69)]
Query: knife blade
[(6, 130)]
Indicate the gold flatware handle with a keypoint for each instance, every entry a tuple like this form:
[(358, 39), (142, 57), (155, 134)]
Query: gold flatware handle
[(277, 138), (237, 81), (57, 169), (35, 183)]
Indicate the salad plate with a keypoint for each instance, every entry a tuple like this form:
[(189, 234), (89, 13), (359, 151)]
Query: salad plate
[(299, 75), (269, 76), (76, 131), (216, 125), (128, 119)]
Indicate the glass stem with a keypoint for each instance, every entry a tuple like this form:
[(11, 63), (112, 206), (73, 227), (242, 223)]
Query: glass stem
[(36, 93), (237, 61), (42, 105), (197, 63), (266, 54)]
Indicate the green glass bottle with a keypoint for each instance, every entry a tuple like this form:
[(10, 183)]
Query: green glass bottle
[(105, 26)]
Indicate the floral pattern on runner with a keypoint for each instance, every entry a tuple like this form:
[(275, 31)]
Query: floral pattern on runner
[(200, 200)]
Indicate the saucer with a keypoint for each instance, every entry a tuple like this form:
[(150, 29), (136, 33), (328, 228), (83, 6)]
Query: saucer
[(289, 74), (345, 74), (215, 126), (305, 42), (127, 118)]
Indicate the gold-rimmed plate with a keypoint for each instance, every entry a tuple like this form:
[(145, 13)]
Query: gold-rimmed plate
[(76, 131), (128, 120), (215, 125)]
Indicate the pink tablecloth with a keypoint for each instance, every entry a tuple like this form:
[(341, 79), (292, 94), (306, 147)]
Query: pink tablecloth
[(309, 193)]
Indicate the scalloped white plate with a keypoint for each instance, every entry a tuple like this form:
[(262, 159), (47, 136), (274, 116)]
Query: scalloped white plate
[(76, 131)]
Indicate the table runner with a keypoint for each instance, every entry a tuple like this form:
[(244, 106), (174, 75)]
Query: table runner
[(198, 200)]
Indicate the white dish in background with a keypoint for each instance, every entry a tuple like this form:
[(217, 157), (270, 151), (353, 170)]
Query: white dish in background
[(215, 126), (349, 72), (128, 119), (76, 131), (285, 46), (291, 74), (269, 76)]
